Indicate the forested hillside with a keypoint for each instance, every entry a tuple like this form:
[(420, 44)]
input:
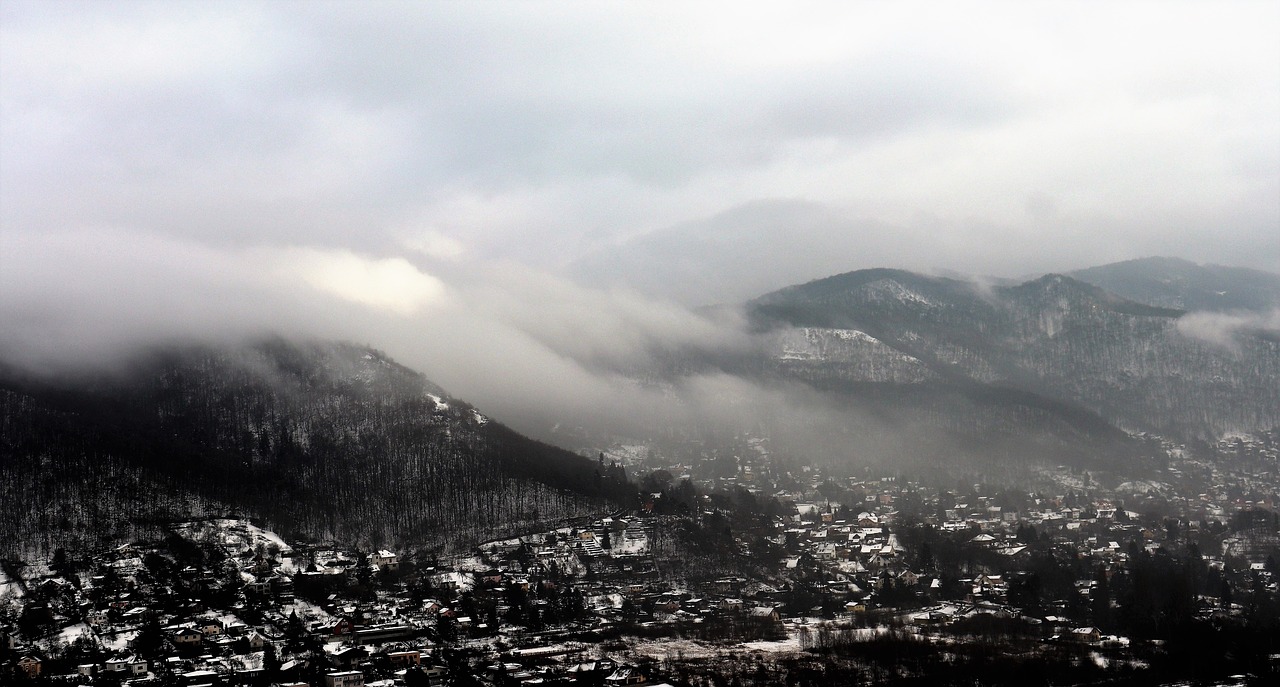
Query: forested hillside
[(1182, 284), (319, 440), (1050, 367)]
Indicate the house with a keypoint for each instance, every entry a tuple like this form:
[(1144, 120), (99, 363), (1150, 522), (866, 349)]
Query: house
[(731, 604), (384, 560), (1085, 635), (990, 585), (350, 678), (625, 675), (130, 665), (186, 636), (404, 658), (248, 676), (30, 665), (764, 614), (878, 561), (201, 677), (667, 605), (339, 627), (348, 656)]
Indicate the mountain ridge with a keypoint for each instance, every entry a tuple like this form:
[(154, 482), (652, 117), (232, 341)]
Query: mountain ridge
[(1054, 344), (317, 439), (1186, 285)]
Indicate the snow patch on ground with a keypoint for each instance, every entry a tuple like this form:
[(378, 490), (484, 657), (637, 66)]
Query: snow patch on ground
[(9, 588), (1143, 486), (676, 649), (119, 641), (789, 645), (891, 289), (71, 633), (237, 536), (853, 335), (305, 609)]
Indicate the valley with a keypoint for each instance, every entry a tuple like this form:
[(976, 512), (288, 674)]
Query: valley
[(906, 473)]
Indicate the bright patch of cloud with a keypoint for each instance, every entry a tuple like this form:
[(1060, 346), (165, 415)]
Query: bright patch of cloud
[(390, 284)]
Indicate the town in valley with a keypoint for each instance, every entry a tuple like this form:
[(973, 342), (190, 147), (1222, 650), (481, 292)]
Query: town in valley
[(754, 576)]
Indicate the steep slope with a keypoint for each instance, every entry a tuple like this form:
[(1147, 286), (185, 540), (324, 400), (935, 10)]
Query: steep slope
[(1054, 358), (1175, 283), (318, 439)]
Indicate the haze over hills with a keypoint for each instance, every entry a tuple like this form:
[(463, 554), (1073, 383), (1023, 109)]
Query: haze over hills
[(736, 254), (1131, 365), (1185, 285), (317, 439), (762, 246), (874, 367), (891, 367)]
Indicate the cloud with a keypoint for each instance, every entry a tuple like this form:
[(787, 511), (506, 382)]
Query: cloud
[(432, 178), (434, 244), (390, 284), (542, 130), (527, 347), (1225, 328)]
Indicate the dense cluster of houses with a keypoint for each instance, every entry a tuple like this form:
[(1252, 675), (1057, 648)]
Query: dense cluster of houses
[(226, 603)]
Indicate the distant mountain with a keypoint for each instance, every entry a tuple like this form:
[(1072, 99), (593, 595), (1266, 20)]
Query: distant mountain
[(1051, 368), (736, 254), (1176, 283), (319, 439)]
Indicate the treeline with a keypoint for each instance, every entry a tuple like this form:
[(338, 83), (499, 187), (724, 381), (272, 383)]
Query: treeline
[(320, 440), (1172, 596)]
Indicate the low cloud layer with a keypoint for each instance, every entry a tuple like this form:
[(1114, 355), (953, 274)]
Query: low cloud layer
[(1224, 329), (528, 347), (525, 200)]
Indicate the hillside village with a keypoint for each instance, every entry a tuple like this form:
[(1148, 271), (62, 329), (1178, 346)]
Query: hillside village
[(649, 595)]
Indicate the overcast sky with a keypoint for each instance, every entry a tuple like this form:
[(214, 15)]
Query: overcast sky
[(491, 177)]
